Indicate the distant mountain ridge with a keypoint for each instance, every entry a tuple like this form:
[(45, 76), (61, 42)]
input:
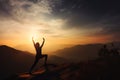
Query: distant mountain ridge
[(4, 47), (82, 52)]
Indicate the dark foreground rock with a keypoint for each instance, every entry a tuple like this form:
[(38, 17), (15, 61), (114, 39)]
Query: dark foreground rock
[(105, 68)]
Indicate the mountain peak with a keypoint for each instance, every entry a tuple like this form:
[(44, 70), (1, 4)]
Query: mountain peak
[(6, 47), (3, 46)]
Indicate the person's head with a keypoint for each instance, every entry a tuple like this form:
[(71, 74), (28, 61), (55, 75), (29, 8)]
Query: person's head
[(37, 44)]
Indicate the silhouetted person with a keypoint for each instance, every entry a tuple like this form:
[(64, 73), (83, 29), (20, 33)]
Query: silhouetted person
[(39, 54), (114, 50), (104, 51)]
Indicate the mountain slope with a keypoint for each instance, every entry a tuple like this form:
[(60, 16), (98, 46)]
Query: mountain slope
[(80, 52), (83, 52), (14, 61)]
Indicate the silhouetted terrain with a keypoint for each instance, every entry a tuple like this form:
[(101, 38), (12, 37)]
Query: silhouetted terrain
[(87, 64), (80, 53), (106, 68), (14, 61)]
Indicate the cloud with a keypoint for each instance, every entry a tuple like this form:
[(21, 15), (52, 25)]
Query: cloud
[(100, 17), (26, 9), (82, 12), (5, 8)]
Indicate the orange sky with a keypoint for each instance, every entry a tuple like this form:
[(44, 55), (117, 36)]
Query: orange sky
[(59, 39), (26, 19), (19, 34)]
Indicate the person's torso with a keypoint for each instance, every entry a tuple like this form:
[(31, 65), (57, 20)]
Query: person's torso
[(39, 51)]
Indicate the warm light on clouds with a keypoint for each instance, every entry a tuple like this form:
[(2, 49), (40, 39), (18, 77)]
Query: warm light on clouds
[(61, 24)]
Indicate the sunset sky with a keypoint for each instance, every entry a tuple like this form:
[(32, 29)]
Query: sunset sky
[(63, 23)]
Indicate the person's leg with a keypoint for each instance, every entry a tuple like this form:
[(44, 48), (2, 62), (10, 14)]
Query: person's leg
[(46, 56), (35, 62)]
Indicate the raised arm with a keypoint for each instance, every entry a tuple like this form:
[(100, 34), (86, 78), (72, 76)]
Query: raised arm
[(33, 41), (43, 42)]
